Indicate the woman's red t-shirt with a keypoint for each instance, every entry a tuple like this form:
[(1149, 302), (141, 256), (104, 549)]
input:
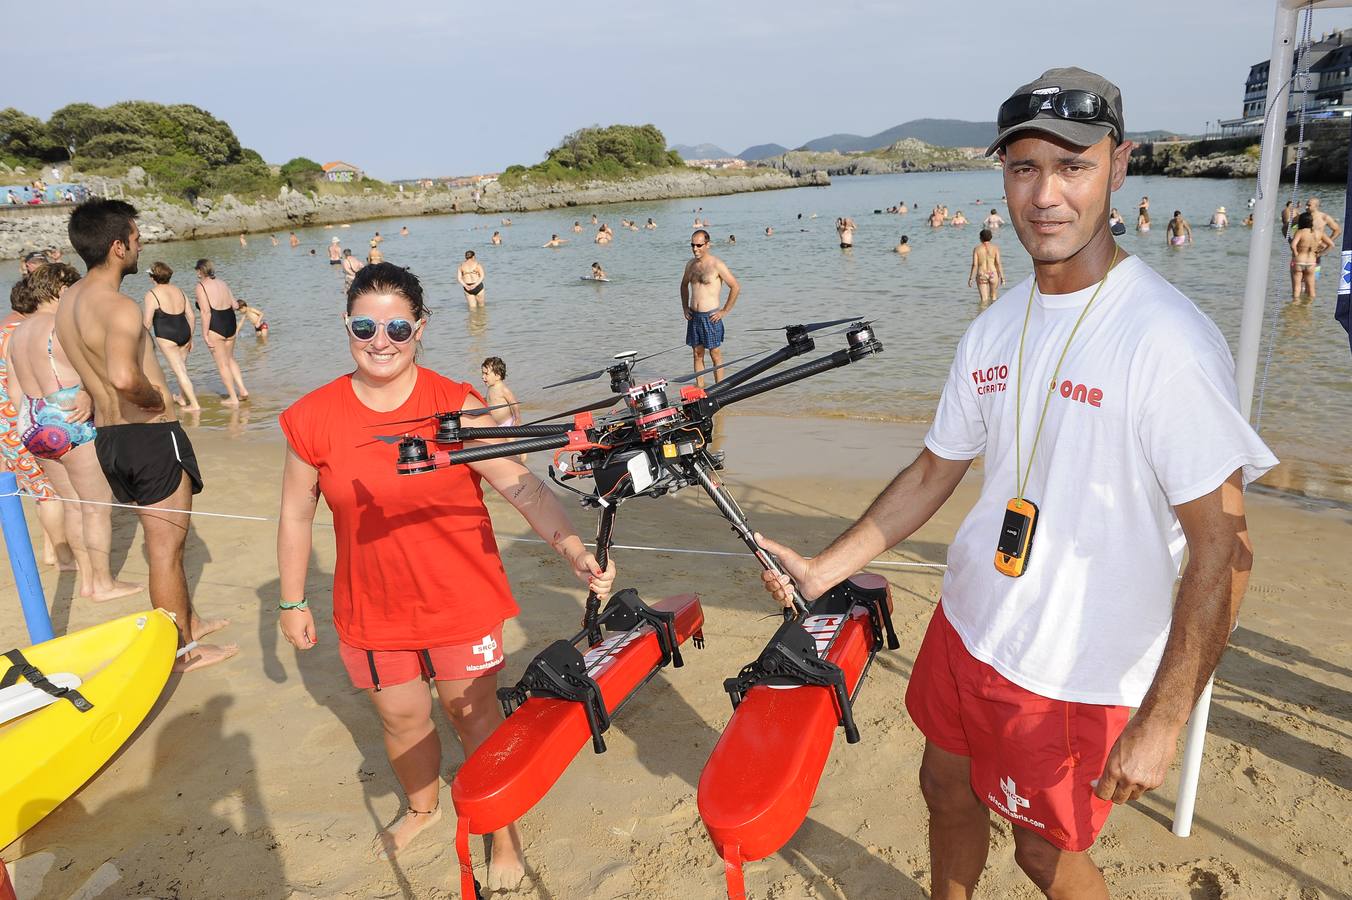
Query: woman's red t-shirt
[(418, 563)]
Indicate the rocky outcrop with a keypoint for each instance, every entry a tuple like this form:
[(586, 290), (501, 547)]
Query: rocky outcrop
[(906, 155), (1195, 159), (24, 229)]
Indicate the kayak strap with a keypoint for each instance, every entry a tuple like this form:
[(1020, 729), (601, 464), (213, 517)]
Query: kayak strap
[(22, 668), (560, 670), (469, 886), (732, 872)]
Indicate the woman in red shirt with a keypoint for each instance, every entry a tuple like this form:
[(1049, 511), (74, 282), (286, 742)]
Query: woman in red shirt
[(419, 591)]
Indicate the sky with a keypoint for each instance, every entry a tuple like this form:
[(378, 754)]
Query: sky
[(414, 88)]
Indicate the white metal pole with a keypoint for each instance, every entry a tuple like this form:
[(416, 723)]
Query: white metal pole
[(1250, 334)]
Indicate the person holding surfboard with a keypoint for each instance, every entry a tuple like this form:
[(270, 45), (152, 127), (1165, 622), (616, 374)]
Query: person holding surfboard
[(1107, 400), (419, 591)]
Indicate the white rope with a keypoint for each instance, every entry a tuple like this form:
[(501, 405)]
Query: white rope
[(189, 512), (888, 563), (509, 538)]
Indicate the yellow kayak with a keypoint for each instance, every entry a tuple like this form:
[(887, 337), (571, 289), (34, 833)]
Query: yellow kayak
[(50, 747)]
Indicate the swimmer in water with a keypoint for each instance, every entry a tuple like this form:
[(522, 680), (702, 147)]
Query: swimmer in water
[(555, 241), (904, 246), (496, 239), (598, 273)]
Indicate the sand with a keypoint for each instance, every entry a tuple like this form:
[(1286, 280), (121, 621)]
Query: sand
[(266, 777)]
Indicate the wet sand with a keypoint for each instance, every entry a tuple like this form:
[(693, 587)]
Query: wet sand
[(266, 777)]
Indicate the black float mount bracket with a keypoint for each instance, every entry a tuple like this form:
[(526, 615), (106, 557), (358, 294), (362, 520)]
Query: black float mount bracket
[(560, 670)]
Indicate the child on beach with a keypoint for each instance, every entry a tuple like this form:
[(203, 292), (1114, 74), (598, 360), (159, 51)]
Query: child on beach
[(497, 393)]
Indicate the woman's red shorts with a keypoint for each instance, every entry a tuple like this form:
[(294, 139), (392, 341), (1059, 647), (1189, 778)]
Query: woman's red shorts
[(375, 669)]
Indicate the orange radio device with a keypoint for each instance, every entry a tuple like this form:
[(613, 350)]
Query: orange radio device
[(1016, 537)]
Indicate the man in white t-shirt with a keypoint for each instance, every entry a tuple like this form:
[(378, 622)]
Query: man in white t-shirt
[(1105, 405)]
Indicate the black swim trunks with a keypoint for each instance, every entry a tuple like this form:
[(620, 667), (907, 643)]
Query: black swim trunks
[(145, 463), (846, 246), (476, 289)]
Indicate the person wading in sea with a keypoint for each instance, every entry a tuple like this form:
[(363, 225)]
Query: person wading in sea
[(471, 278), (987, 270), (701, 287)]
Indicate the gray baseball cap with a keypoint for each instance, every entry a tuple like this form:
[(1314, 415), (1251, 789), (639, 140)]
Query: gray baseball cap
[(1030, 108)]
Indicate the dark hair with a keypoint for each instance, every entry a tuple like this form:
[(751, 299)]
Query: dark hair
[(21, 298), (596, 265), (96, 225), (703, 232), (985, 235), (205, 267), (469, 254), (160, 273), (1177, 213), (1304, 220), (905, 239), (495, 365), (387, 278), (47, 281)]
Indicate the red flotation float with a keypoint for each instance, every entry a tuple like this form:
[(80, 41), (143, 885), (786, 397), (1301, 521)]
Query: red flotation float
[(521, 760), (760, 779)]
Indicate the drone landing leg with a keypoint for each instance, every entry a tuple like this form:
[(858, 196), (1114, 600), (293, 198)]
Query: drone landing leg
[(733, 513), (591, 615)]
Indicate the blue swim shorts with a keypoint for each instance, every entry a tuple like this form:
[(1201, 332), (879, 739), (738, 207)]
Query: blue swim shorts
[(700, 331)]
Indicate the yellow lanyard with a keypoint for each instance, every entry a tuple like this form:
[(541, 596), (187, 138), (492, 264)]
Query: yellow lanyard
[(1020, 485)]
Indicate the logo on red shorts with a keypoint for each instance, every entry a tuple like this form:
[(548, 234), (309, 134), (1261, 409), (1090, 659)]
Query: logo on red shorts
[(1012, 802)]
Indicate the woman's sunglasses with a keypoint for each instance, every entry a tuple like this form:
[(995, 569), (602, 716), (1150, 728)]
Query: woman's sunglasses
[(365, 328)]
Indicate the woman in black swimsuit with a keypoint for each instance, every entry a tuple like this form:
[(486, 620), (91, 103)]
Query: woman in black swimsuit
[(172, 330), (218, 306)]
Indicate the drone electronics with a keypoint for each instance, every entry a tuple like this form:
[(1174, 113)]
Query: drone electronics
[(655, 442)]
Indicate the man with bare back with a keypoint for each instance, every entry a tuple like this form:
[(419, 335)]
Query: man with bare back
[(142, 449), (701, 287)]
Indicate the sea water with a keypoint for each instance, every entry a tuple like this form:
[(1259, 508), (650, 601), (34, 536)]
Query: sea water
[(548, 324)]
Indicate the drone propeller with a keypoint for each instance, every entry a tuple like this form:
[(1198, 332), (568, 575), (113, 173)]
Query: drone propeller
[(684, 379), (463, 412), (810, 326), (599, 372), (599, 404)]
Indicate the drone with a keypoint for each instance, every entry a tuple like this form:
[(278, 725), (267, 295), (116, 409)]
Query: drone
[(650, 438)]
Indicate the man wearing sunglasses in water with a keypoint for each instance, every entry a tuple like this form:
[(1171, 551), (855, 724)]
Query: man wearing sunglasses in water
[(701, 288), (1106, 401)]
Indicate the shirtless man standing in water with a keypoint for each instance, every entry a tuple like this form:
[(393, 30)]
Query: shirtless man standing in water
[(987, 270), (701, 287), (471, 278), (142, 449), (845, 230)]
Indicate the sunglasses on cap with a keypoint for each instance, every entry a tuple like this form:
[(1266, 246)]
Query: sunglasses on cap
[(365, 328), (1072, 105)]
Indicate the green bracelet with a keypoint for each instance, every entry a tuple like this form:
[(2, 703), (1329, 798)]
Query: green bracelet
[(304, 604)]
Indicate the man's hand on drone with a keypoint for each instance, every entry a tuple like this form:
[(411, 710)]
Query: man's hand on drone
[(799, 572)]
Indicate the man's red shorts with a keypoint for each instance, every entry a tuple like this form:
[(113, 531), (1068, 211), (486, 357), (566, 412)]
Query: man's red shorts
[(1033, 758), (384, 668)]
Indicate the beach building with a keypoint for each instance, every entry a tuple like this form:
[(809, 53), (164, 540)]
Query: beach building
[(1326, 94), (341, 171)]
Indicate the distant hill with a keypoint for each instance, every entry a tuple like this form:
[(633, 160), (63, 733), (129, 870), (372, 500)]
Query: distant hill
[(763, 151), (937, 132), (701, 151)]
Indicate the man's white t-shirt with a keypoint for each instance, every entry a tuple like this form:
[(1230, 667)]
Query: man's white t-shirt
[(1144, 417)]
